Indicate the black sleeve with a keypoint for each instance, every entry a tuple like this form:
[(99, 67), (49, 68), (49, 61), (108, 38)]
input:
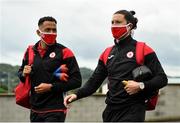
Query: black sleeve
[(94, 81), (20, 71), (159, 79), (74, 80)]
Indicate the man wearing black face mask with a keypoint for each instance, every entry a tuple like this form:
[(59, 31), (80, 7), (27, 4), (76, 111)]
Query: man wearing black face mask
[(48, 86), (125, 103)]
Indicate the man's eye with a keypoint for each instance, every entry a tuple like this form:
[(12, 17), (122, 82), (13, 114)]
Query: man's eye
[(115, 22), (118, 22), (54, 30)]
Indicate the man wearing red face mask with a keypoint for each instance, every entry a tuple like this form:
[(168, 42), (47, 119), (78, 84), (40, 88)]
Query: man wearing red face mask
[(125, 103), (48, 83)]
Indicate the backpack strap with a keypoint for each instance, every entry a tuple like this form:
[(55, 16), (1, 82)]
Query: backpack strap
[(67, 53), (30, 54), (140, 52), (105, 54)]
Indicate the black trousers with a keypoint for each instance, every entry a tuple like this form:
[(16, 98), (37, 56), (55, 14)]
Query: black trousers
[(133, 113), (47, 117)]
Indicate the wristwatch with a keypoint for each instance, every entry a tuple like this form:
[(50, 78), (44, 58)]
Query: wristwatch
[(141, 85)]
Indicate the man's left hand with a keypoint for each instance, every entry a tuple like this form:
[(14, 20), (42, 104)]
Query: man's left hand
[(43, 87), (132, 87)]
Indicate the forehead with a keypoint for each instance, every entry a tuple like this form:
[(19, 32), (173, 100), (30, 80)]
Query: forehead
[(48, 24), (119, 17)]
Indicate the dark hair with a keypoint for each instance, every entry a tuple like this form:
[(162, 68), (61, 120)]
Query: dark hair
[(47, 18), (129, 16)]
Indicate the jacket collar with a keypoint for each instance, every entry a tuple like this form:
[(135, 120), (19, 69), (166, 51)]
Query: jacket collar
[(123, 42)]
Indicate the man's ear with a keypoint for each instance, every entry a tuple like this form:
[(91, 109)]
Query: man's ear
[(38, 33), (131, 25)]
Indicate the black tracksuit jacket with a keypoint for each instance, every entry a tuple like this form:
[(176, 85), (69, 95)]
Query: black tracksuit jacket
[(42, 72), (120, 67)]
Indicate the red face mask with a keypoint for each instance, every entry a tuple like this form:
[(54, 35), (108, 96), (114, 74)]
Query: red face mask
[(119, 31), (49, 38)]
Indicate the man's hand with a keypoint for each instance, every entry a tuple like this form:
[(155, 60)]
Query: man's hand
[(132, 87), (43, 87), (68, 99), (27, 69)]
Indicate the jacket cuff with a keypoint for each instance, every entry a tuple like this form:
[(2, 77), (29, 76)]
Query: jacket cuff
[(78, 94), (54, 87)]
